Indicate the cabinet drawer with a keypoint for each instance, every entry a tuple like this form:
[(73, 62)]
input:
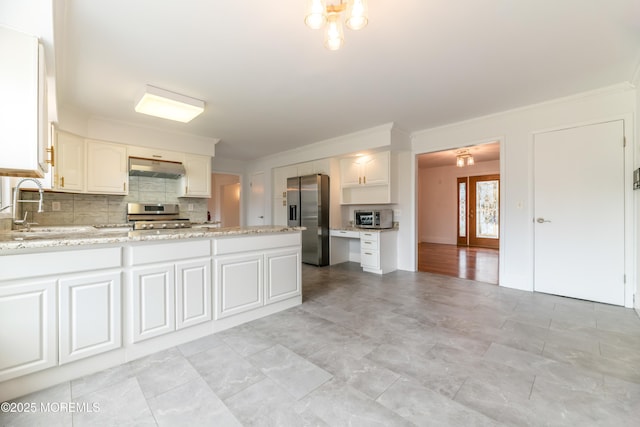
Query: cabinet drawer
[(370, 259), (370, 245), (369, 235), (345, 233)]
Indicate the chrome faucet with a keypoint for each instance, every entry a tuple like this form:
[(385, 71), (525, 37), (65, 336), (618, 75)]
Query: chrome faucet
[(15, 202)]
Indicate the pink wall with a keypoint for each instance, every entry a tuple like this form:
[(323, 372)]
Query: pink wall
[(437, 199)]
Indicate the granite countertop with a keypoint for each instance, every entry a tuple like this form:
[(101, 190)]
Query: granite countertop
[(49, 237)]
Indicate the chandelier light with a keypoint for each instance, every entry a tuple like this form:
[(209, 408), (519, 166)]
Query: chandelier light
[(463, 157), (321, 14)]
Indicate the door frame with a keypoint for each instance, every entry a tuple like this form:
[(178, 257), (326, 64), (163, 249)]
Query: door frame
[(630, 248), (452, 146)]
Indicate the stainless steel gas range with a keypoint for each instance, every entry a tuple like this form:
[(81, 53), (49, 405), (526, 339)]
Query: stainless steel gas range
[(156, 216)]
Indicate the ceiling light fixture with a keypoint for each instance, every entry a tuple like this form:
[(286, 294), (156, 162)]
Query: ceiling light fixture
[(169, 105), (464, 157), (321, 13)]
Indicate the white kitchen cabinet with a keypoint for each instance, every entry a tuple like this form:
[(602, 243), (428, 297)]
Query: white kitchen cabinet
[(153, 299), (193, 292), (239, 283), (69, 170), (24, 131), (107, 168), (197, 180), (373, 169), (282, 275), (27, 328), (171, 287), (378, 251), (90, 315), (366, 180), (253, 271)]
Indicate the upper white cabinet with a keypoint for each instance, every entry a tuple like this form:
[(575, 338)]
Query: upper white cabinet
[(366, 170), (107, 168), (69, 170), (366, 179), (23, 106), (197, 181)]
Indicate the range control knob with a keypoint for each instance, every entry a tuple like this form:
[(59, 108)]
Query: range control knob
[(164, 225)]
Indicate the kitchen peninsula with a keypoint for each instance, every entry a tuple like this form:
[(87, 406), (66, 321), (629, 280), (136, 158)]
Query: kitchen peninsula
[(76, 300)]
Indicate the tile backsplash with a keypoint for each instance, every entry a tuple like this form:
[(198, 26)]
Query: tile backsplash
[(93, 209)]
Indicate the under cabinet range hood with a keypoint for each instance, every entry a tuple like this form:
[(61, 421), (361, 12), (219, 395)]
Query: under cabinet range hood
[(155, 168)]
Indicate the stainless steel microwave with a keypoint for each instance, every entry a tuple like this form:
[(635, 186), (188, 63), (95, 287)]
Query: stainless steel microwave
[(377, 218)]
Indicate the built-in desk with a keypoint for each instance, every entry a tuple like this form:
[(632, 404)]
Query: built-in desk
[(375, 250)]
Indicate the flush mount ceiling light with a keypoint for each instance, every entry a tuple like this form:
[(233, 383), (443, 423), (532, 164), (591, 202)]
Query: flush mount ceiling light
[(169, 105), (464, 157), (321, 13)]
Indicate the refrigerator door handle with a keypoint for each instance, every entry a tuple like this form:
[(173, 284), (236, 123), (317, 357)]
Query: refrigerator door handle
[(293, 213)]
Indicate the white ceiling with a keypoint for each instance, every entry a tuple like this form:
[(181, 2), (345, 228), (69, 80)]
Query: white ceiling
[(270, 85)]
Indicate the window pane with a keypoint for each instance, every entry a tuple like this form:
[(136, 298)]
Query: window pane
[(462, 210), (487, 209)]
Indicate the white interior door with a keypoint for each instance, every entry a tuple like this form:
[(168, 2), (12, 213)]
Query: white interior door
[(256, 203), (579, 212)]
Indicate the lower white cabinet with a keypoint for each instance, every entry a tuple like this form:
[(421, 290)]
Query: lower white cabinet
[(239, 281), (153, 301), (27, 328), (193, 293), (90, 315), (283, 275), (378, 251), (170, 296), (246, 280)]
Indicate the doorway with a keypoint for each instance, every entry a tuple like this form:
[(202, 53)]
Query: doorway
[(224, 204), (450, 243)]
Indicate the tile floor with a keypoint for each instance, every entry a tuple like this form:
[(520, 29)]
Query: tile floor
[(363, 350)]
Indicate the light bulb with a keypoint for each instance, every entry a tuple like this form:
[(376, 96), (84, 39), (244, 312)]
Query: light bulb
[(470, 161), (316, 17), (357, 14), (334, 37), (460, 162)]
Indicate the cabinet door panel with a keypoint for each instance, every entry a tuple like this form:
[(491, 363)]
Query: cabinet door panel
[(89, 316), (376, 169), (239, 281), (107, 169), (70, 158), (27, 328), (153, 301), (193, 293), (282, 275), (350, 172), (197, 181)]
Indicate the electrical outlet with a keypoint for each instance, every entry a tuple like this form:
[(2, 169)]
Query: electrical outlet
[(190, 207), (55, 206)]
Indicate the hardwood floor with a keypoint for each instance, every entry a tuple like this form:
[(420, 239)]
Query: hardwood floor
[(472, 263)]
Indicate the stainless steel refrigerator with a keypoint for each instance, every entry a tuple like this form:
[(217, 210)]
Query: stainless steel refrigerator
[(308, 206)]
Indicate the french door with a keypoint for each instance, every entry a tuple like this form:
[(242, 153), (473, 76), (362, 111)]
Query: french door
[(479, 211)]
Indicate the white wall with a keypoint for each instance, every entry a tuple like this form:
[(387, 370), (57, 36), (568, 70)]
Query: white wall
[(515, 130), (438, 201)]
